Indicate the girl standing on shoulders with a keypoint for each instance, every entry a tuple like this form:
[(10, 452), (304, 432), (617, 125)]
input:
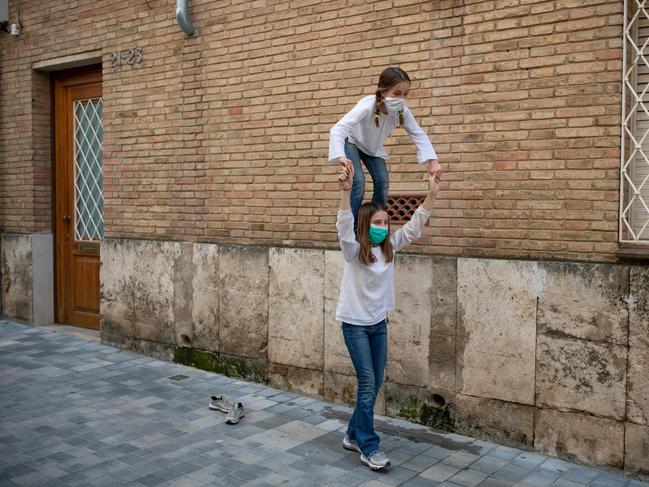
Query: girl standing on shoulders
[(366, 295), (360, 134)]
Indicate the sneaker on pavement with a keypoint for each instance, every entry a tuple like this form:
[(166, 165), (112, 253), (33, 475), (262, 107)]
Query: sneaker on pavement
[(350, 444), (377, 460), (221, 403), (235, 413)]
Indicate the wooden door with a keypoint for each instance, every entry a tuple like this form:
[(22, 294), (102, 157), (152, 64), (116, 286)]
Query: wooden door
[(79, 227)]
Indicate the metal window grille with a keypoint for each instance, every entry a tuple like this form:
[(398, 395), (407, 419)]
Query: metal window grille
[(88, 179), (634, 174)]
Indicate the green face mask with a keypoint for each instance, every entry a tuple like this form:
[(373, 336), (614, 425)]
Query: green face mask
[(377, 234)]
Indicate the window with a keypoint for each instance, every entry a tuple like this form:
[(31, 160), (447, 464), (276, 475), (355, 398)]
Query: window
[(634, 174), (88, 180)]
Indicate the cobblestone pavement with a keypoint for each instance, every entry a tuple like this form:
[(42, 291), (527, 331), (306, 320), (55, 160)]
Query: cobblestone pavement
[(74, 412)]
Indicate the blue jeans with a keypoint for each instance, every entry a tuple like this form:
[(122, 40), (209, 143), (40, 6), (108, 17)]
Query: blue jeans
[(368, 349), (378, 171)]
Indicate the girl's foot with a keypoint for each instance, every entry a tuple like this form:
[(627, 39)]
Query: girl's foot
[(377, 460), (350, 444)]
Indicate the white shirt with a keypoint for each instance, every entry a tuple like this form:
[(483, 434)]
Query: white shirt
[(367, 291), (359, 126)]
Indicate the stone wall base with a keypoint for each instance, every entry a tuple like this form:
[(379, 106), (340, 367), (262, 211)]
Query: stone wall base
[(27, 277)]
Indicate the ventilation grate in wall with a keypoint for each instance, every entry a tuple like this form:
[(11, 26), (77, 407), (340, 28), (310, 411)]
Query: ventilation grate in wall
[(401, 207)]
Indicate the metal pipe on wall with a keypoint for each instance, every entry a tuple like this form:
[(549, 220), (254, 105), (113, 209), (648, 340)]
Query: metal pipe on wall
[(182, 17)]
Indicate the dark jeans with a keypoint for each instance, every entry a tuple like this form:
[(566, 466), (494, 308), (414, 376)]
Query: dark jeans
[(368, 349), (378, 171)]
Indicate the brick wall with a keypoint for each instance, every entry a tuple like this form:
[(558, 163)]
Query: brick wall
[(25, 191), (223, 136)]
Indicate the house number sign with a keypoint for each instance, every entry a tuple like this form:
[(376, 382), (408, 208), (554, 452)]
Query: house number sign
[(131, 56)]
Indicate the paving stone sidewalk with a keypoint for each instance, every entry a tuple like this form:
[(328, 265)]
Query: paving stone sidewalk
[(74, 412)]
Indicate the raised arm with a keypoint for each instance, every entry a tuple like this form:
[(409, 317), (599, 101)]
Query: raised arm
[(431, 196), (412, 230), (345, 221), (345, 178)]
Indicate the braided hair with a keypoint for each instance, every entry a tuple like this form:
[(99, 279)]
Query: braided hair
[(389, 77)]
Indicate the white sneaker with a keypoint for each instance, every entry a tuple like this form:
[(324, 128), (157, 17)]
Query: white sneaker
[(235, 414), (221, 403), (350, 444), (377, 460)]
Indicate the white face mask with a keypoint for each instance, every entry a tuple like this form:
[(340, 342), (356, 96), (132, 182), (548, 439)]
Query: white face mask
[(394, 104)]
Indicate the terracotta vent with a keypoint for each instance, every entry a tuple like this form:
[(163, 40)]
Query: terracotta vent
[(401, 207)]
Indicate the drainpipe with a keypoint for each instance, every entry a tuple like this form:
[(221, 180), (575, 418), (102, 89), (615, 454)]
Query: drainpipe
[(182, 16)]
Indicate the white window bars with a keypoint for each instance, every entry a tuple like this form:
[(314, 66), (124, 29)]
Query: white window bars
[(88, 177), (634, 174)]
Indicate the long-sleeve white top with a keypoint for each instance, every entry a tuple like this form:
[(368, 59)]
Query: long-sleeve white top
[(358, 124), (367, 291)]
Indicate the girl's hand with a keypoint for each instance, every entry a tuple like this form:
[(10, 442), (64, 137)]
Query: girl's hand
[(433, 187), (345, 178), (433, 182), (344, 162), (435, 168)]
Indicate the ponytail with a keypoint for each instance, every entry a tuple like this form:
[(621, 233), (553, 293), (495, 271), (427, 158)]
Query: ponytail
[(377, 107)]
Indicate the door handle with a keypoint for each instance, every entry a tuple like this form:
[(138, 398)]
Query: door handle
[(66, 218)]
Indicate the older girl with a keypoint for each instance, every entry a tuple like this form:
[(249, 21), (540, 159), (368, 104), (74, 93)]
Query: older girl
[(360, 134)]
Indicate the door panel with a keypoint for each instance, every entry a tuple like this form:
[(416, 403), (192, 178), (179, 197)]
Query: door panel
[(79, 195), (86, 273)]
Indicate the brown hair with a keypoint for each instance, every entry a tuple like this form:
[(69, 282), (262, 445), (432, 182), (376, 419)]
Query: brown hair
[(389, 77), (365, 213)]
